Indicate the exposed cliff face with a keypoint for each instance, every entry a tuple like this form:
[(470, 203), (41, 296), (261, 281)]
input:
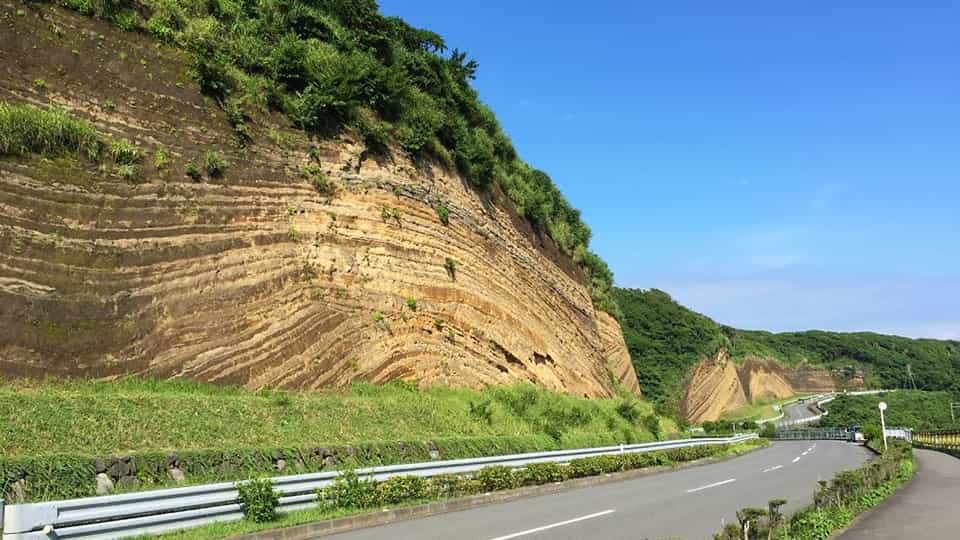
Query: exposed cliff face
[(717, 385), (712, 387), (255, 278)]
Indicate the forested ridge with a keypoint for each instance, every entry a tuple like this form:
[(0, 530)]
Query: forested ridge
[(666, 339)]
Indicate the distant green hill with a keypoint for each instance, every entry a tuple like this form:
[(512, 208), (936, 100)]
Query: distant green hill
[(666, 339), (905, 408)]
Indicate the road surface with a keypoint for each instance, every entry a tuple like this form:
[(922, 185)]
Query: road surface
[(689, 503), (798, 410), (926, 508)]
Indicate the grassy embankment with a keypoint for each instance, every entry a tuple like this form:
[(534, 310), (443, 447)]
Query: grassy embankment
[(52, 432), (50, 417)]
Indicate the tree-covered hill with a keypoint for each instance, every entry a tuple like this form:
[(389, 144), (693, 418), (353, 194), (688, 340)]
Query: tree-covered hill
[(905, 408), (666, 339), (935, 364), (339, 65)]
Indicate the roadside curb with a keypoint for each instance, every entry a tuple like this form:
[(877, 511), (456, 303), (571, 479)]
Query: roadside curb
[(394, 515)]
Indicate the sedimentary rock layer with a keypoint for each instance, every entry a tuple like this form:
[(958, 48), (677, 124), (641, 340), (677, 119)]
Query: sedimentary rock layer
[(254, 277), (717, 385)]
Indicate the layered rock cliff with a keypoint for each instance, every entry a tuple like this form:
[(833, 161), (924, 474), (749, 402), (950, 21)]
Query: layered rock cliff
[(717, 385), (255, 277)]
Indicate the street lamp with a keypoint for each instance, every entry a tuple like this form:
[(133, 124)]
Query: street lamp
[(883, 424)]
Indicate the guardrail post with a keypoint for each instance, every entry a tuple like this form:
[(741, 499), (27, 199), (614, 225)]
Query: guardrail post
[(1, 517)]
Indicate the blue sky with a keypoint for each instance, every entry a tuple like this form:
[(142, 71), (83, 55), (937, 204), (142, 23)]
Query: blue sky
[(776, 165)]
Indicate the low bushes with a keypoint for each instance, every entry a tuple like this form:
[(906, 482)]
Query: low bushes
[(259, 500), (66, 476), (351, 492)]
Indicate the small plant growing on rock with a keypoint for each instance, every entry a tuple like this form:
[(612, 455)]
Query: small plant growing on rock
[(127, 171), (213, 164), (388, 212), (450, 266), (39, 84), (438, 324), (161, 160), (192, 170), (124, 152), (319, 180), (412, 303), (444, 214), (259, 500)]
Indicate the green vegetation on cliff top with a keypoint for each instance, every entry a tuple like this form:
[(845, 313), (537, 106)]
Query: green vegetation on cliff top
[(335, 65), (666, 339)]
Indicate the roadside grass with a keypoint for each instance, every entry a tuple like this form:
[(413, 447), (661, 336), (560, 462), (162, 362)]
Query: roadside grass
[(216, 531), (46, 417)]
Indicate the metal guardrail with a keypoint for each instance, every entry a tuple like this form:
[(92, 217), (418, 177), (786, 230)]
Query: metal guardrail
[(815, 434), (158, 511), (942, 439)]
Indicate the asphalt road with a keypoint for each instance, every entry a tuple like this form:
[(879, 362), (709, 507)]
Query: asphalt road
[(926, 508), (798, 410), (688, 503)]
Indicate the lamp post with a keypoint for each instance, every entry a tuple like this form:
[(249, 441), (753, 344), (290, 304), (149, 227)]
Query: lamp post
[(883, 424)]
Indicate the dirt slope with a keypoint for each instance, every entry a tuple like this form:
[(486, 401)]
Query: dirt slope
[(255, 278)]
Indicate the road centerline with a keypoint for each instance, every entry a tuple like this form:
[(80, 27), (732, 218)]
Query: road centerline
[(708, 486), (554, 525)]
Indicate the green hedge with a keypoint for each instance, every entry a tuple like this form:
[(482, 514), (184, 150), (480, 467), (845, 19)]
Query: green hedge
[(65, 476), (351, 492), (30, 479)]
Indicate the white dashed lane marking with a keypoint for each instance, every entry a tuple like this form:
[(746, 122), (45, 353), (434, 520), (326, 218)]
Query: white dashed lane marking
[(708, 486)]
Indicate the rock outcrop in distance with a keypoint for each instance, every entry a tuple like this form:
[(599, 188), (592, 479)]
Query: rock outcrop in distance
[(255, 277), (718, 385)]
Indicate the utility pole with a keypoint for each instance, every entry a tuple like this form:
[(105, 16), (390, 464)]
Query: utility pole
[(954, 407), (910, 374), (883, 424)]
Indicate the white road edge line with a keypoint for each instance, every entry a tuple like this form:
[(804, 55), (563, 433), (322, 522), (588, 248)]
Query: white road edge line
[(553, 525), (773, 468), (715, 484)]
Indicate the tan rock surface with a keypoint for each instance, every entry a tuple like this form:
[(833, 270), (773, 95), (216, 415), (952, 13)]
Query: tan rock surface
[(254, 278), (716, 385), (712, 387)]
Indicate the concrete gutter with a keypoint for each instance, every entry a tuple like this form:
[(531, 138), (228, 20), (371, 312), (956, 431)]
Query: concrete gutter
[(387, 516)]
